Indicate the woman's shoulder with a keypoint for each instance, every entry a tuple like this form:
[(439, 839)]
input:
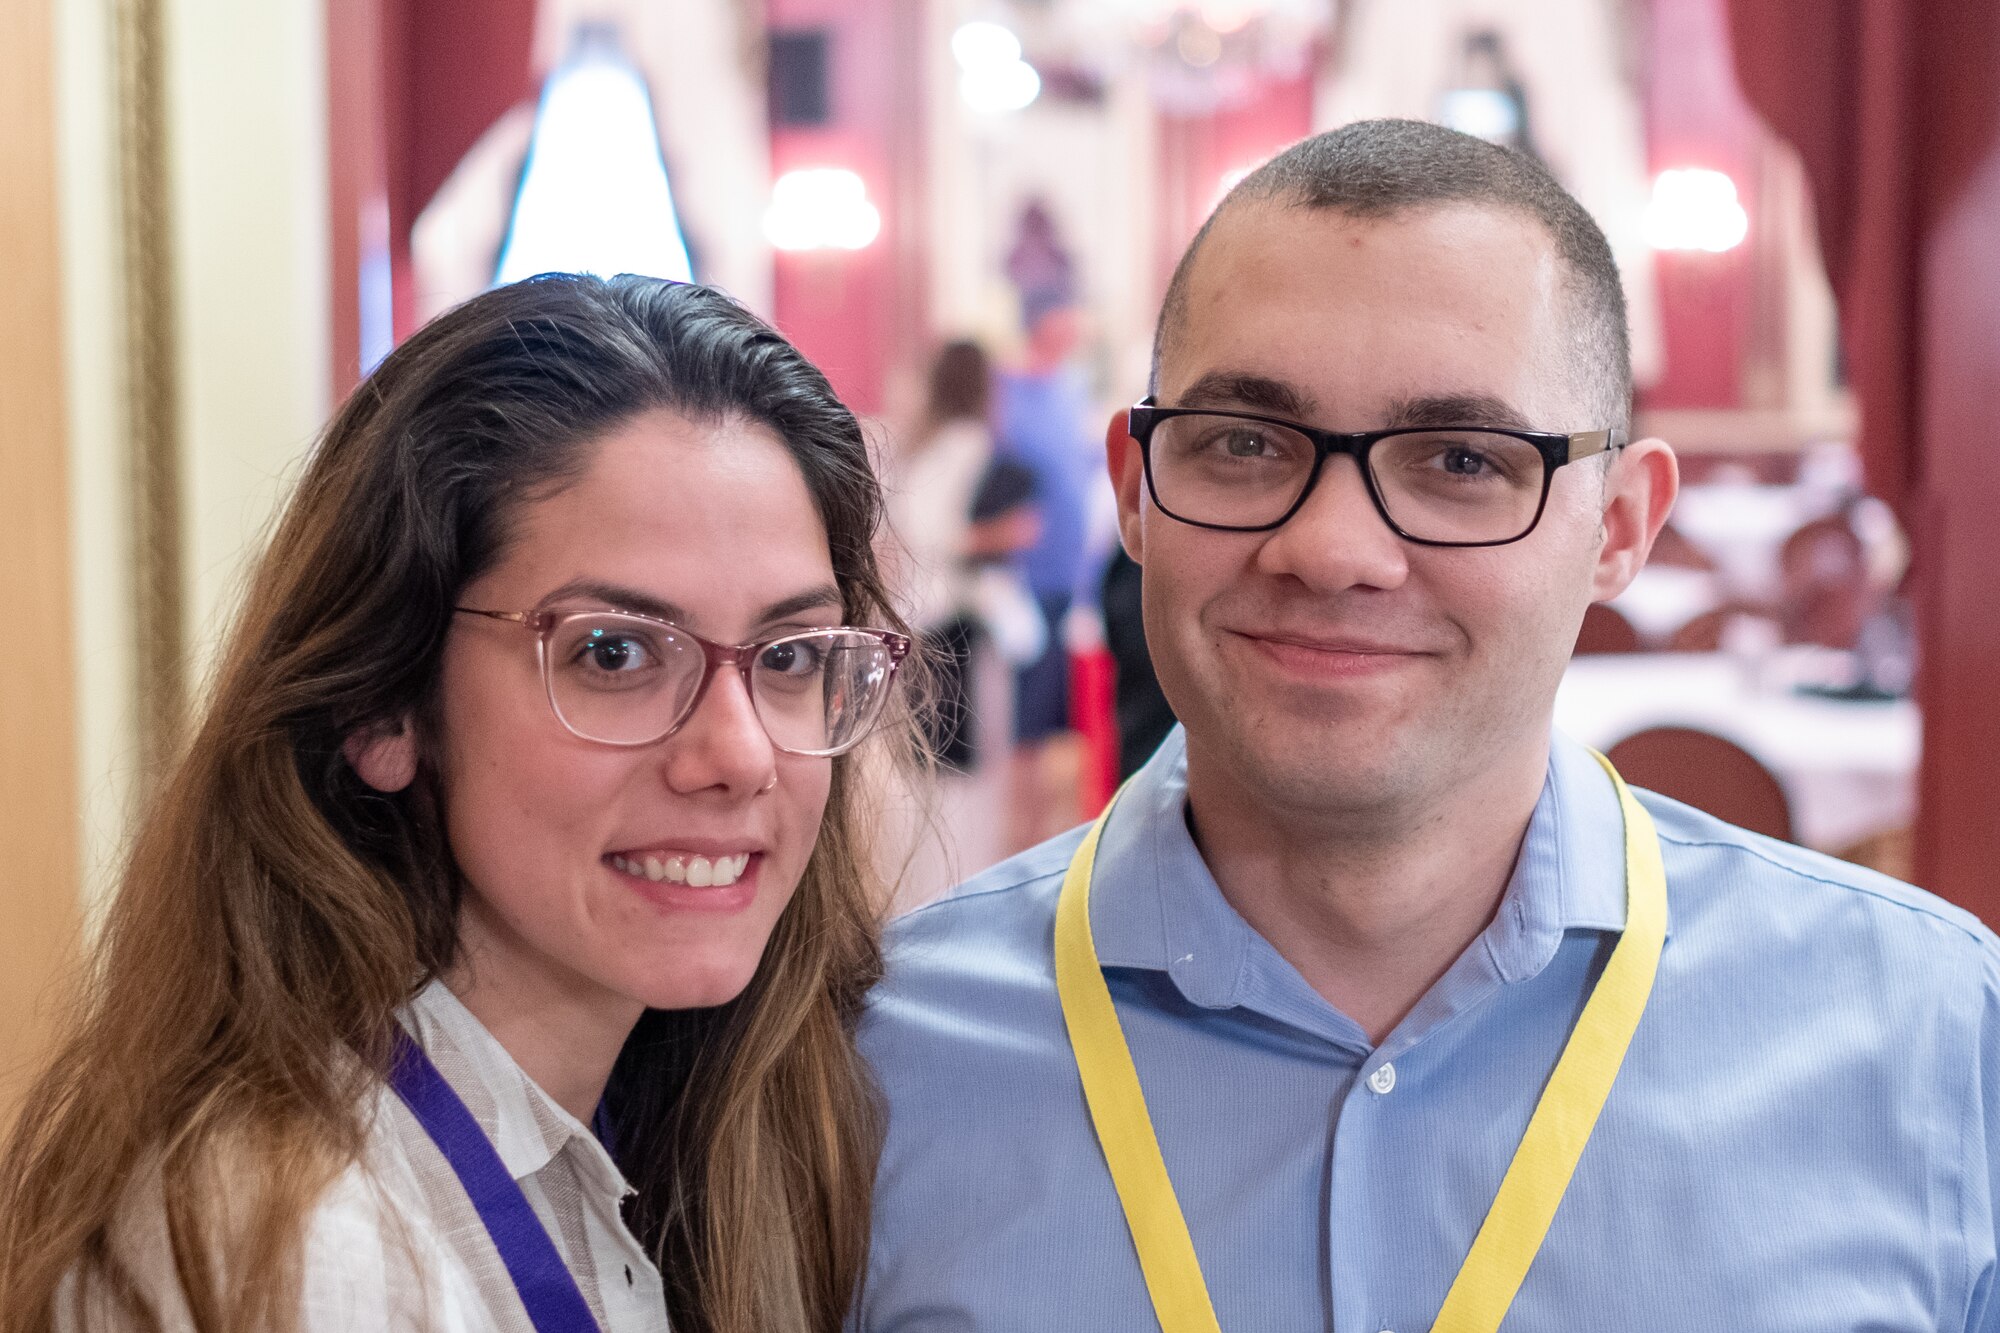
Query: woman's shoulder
[(372, 1252), (376, 1253)]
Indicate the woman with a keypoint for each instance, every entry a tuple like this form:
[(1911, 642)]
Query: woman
[(957, 510), (492, 872)]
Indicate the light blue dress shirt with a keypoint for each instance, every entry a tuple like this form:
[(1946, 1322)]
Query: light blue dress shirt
[(1802, 1138)]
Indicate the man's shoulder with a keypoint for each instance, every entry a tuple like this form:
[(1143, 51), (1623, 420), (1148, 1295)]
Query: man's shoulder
[(1008, 908), (978, 960), (1714, 864)]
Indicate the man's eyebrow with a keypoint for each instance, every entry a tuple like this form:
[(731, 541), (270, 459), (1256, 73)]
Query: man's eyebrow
[(1457, 409), (1254, 393), (817, 598)]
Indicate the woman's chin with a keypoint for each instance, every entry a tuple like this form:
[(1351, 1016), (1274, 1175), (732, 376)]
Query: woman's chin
[(696, 984)]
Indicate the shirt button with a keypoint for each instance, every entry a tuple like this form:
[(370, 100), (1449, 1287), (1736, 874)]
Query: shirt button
[(1383, 1081)]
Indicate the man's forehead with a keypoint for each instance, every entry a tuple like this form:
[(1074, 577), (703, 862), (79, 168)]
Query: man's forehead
[(1273, 281), (1277, 221)]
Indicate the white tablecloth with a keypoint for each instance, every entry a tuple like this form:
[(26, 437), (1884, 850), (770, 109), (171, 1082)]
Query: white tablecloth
[(1742, 528), (1662, 598), (1848, 769)]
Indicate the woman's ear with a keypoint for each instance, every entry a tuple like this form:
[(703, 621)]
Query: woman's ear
[(383, 755)]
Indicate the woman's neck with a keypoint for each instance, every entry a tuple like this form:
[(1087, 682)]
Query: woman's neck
[(563, 1030)]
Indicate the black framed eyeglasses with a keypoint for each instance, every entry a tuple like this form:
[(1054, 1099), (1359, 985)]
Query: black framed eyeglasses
[(1433, 485), (619, 678)]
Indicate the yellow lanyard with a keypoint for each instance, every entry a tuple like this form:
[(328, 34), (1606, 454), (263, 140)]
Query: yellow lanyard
[(1535, 1179)]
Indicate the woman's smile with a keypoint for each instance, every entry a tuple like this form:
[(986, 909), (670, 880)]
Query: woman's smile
[(690, 868), (675, 881)]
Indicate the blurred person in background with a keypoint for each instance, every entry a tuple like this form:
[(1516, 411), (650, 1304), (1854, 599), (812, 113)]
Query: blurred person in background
[(493, 879), (1371, 1003), (956, 510), (1044, 405), (1144, 716)]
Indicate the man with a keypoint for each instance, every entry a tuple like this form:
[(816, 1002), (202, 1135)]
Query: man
[(1040, 424), (1353, 914)]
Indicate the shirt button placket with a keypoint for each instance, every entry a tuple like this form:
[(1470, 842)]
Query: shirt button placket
[(1356, 1290)]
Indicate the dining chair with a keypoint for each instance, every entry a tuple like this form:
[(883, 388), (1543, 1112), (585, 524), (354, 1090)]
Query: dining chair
[(1673, 549), (1704, 633), (1605, 631), (1824, 570), (1701, 769)]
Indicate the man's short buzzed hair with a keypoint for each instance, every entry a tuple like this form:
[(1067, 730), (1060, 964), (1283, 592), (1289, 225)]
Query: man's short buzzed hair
[(1379, 168)]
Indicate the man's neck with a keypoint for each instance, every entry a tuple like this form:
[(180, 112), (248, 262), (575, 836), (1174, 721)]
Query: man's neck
[(564, 1033), (1374, 909)]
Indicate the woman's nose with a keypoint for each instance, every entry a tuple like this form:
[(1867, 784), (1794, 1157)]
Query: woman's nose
[(723, 745)]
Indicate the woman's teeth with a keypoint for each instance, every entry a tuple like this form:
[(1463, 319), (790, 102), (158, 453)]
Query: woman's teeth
[(697, 872)]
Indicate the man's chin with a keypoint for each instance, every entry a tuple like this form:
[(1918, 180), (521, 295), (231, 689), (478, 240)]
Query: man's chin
[(1324, 769)]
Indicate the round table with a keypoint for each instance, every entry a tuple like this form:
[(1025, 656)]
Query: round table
[(1849, 769)]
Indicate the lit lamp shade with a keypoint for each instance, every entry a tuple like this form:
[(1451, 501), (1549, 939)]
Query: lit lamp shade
[(594, 196), (1694, 208), (821, 208), (992, 77)]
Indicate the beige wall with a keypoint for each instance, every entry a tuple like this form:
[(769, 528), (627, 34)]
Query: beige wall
[(100, 500), (244, 91), (246, 203), (38, 779), (246, 95)]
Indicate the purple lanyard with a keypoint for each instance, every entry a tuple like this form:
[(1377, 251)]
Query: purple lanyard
[(546, 1286)]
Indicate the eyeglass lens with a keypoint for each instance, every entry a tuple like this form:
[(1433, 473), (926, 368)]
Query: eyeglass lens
[(628, 681), (1434, 485)]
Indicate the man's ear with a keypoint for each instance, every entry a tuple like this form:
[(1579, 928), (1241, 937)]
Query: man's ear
[(383, 755), (1639, 493), (1128, 479)]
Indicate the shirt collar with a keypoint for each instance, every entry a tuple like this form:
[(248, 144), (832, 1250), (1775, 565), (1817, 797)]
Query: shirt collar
[(1570, 874), (1155, 906), (526, 1126), (1153, 903)]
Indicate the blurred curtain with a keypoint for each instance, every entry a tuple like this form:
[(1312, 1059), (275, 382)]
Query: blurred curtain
[(411, 85), (453, 67), (1836, 78), (1895, 108)]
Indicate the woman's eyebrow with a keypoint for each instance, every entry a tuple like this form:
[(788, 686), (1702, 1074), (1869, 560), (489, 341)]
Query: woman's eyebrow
[(812, 599), (617, 595), (631, 599)]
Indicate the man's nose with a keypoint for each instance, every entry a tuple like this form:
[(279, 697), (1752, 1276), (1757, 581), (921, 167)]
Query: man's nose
[(1338, 539), (723, 746)]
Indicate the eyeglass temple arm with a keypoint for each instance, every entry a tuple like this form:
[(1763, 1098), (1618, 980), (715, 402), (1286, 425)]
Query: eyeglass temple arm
[(518, 617), (1584, 443)]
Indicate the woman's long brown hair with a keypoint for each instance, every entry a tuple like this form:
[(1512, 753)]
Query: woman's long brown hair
[(276, 912)]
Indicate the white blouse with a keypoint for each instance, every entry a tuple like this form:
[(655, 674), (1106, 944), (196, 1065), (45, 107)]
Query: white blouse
[(928, 496), (396, 1245)]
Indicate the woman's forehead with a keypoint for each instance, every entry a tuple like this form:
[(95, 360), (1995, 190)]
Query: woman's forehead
[(714, 518)]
